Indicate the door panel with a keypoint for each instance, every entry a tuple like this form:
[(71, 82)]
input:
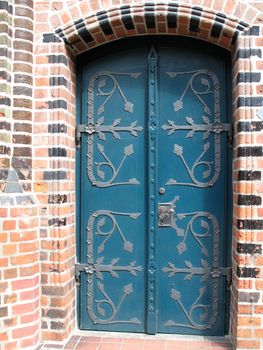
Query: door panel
[(113, 195), (155, 132), (191, 155)]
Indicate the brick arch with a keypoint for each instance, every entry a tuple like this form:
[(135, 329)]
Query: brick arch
[(83, 27)]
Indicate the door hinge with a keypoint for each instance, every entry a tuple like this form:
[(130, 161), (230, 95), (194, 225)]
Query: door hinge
[(83, 128), (222, 271), (217, 128), (82, 268), (230, 134)]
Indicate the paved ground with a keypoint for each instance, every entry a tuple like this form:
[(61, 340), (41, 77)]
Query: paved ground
[(128, 342)]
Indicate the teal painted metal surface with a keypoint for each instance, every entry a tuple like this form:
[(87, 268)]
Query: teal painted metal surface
[(153, 192), (152, 204), (191, 167)]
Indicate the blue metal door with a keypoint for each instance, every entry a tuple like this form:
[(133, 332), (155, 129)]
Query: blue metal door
[(153, 193)]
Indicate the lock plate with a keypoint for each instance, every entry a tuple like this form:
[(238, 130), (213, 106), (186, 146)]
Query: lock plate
[(165, 214)]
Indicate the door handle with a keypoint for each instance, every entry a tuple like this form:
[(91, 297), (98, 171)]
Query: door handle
[(165, 214)]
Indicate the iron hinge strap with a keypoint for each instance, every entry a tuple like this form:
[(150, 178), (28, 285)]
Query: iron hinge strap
[(230, 131), (83, 128), (82, 268), (222, 271)]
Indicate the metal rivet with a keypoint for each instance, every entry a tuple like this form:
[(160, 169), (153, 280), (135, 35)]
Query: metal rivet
[(152, 102)]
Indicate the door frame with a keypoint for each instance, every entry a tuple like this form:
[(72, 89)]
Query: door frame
[(147, 41)]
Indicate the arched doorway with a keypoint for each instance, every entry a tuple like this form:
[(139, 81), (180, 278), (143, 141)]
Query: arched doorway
[(153, 177)]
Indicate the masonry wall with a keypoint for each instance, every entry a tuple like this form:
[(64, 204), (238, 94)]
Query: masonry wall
[(19, 210), (38, 44)]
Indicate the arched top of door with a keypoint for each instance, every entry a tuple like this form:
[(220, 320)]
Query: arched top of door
[(83, 25)]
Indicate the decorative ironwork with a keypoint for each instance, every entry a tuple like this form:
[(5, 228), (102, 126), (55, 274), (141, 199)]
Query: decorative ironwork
[(127, 152), (189, 270), (102, 86), (99, 128), (209, 85), (99, 268), (202, 218), (189, 314), (112, 268), (205, 271), (178, 151), (126, 291), (206, 87), (111, 216)]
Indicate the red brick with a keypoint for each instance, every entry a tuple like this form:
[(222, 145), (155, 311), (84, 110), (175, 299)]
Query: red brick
[(248, 344), (9, 225), (10, 273), (259, 285), (24, 308), (23, 332), (9, 249), (248, 321), (24, 259), (10, 299), (28, 247), (3, 237), (23, 236), (3, 262), (29, 294), (29, 270), (24, 283), (3, 336), (3, 212), (259, 309)]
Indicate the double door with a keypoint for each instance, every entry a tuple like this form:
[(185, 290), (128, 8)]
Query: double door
[(153, 192)]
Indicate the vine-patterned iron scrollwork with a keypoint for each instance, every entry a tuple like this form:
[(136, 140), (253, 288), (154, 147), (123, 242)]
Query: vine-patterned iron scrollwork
[(205, 219), (108, 178), (189, 314), (189, 270), (190, 85), (126, 290), (102, 83), (105, 307), (127, 152), (178, 151), (195, 217), (115, 128), (207, 79), (110, 215)]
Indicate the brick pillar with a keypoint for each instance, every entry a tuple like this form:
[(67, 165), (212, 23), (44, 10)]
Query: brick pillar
[(54, 174), (246, 309), (19, 224)]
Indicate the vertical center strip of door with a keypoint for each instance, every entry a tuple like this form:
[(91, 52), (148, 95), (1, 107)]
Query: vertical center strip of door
[(152, 176)]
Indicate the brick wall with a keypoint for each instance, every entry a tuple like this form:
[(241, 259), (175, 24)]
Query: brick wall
[(37, 150), (19, 233)]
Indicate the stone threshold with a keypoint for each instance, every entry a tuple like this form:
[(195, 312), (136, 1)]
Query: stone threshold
[(88, 340)]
